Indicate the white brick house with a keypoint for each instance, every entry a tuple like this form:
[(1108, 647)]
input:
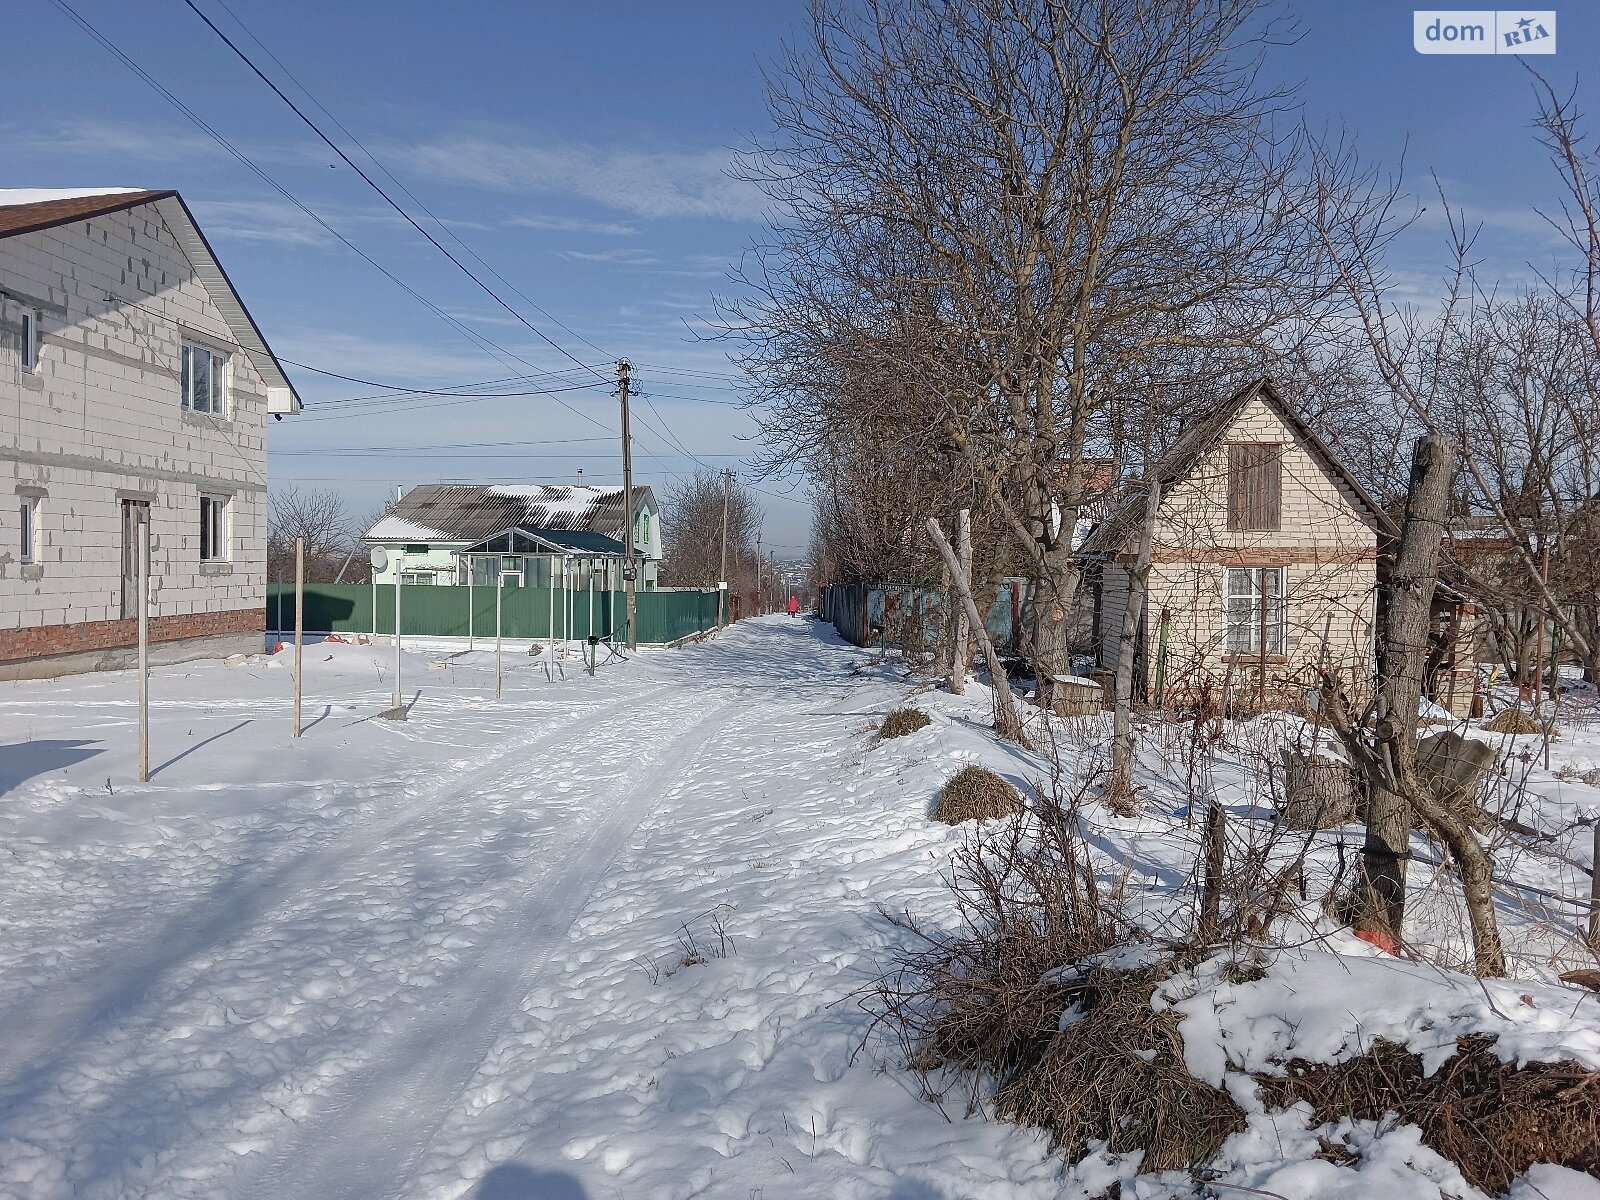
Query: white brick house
[(134, 387)]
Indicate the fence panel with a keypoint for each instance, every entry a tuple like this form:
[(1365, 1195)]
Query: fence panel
[(888, 615), (453, 610)]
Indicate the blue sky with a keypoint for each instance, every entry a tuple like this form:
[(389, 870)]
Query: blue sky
[(582, 151)]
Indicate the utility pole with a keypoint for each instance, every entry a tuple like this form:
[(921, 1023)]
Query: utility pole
[(722, 576), (630, 571), (761, 583)]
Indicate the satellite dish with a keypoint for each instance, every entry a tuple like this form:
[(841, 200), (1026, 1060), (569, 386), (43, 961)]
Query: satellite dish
[(380, 558)]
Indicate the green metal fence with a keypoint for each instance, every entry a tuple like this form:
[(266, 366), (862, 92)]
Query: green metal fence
[(451, 610)]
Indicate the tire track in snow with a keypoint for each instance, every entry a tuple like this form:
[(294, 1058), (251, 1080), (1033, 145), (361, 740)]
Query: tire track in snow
[(113, 1014), (374, 1126)]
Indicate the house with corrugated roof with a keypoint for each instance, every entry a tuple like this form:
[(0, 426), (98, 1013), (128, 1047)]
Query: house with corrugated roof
[(469, 533), (135, 392)]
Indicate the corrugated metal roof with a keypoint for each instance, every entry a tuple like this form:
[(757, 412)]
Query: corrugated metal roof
[(474, 512)]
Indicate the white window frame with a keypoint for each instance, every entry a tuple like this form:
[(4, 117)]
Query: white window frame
[(28, 539), (1244, 591), (416, 578), (215, 401), (216, 527), (30, 341)]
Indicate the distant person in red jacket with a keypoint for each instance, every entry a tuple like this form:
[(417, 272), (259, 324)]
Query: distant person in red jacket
[(794, 607)]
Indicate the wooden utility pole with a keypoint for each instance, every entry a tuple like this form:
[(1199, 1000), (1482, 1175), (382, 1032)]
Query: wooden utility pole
[(761, 586), (299, 621), (630, 570), (142, 539), (722, 576)]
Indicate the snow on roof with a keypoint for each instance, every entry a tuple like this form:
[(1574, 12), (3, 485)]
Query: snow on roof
[(556, 499), (398, 529)]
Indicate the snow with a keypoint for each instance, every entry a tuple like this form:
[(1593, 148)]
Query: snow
[(557, 500), (446, 958), (398, 529), (14, 196)]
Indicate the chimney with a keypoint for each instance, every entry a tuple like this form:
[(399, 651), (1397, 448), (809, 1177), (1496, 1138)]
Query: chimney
[(399, 492), (580, 476)]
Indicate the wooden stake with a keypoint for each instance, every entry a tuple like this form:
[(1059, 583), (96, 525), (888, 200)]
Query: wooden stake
[(299, 621), (958, 664), (142, 537)]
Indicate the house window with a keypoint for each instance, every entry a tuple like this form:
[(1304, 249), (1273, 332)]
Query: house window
[(213, 528), (1255, 485), (1255, 610), (30, 340), (205, 380), (29, 542), (412, 578)]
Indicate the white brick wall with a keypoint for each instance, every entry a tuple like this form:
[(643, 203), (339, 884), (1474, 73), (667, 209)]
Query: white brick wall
[(102, 418)]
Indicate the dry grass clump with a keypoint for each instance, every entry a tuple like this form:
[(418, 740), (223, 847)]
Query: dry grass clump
[(1117, 1073), (974, 794), (1492, 1119), (1513, 720), (901, 722)]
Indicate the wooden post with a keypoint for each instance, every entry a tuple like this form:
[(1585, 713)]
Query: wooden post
[(1211, 887), (958, 661), (1594, 893), (630, 572), (1007, 723), (299, 622), (142, 539)]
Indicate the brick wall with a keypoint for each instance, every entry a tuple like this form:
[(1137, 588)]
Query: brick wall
[(38, 641)]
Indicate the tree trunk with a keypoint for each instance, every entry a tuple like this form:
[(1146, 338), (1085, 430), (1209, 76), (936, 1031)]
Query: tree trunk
[(1119, 789), (958, 661), (1054, 590), (1476, 872), (1381, 890), (1007, 721)]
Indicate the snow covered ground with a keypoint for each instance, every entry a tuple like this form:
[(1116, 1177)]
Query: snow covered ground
[(446, 957)]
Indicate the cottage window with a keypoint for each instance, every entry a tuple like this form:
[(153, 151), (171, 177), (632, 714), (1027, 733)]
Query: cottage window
[(1255, 610), (1255, 485), (413, 578), (30, 340), (29, 542), (213, 528), (205, 380)]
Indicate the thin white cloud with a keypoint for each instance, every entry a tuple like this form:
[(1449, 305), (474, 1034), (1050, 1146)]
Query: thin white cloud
[(573, 225), (627, 256), (647, 183)]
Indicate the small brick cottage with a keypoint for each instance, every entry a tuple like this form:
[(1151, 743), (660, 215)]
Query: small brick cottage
[(134, 395)]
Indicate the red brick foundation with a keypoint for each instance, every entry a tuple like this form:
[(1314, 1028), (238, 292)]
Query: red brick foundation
[(40, 641)]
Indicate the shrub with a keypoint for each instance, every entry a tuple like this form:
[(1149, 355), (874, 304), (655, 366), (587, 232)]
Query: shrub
[(974, 794), (1513, 720), (901, 722)]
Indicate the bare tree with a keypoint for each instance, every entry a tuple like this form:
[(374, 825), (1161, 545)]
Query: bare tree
[(691, 528), (1034, 200), (320, 517)]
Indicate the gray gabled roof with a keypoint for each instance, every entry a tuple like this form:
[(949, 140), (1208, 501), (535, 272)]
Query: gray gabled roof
[(448, 512), (1112, 535)]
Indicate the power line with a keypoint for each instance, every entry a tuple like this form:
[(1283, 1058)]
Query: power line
[(388, 199), (410, 195), (478, 339), (416, 391)]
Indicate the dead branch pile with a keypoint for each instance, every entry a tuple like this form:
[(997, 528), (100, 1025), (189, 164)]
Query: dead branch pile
[(1117, 1073), (974, 794), (1492, 1119), (901, 722), (1513, 720)]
